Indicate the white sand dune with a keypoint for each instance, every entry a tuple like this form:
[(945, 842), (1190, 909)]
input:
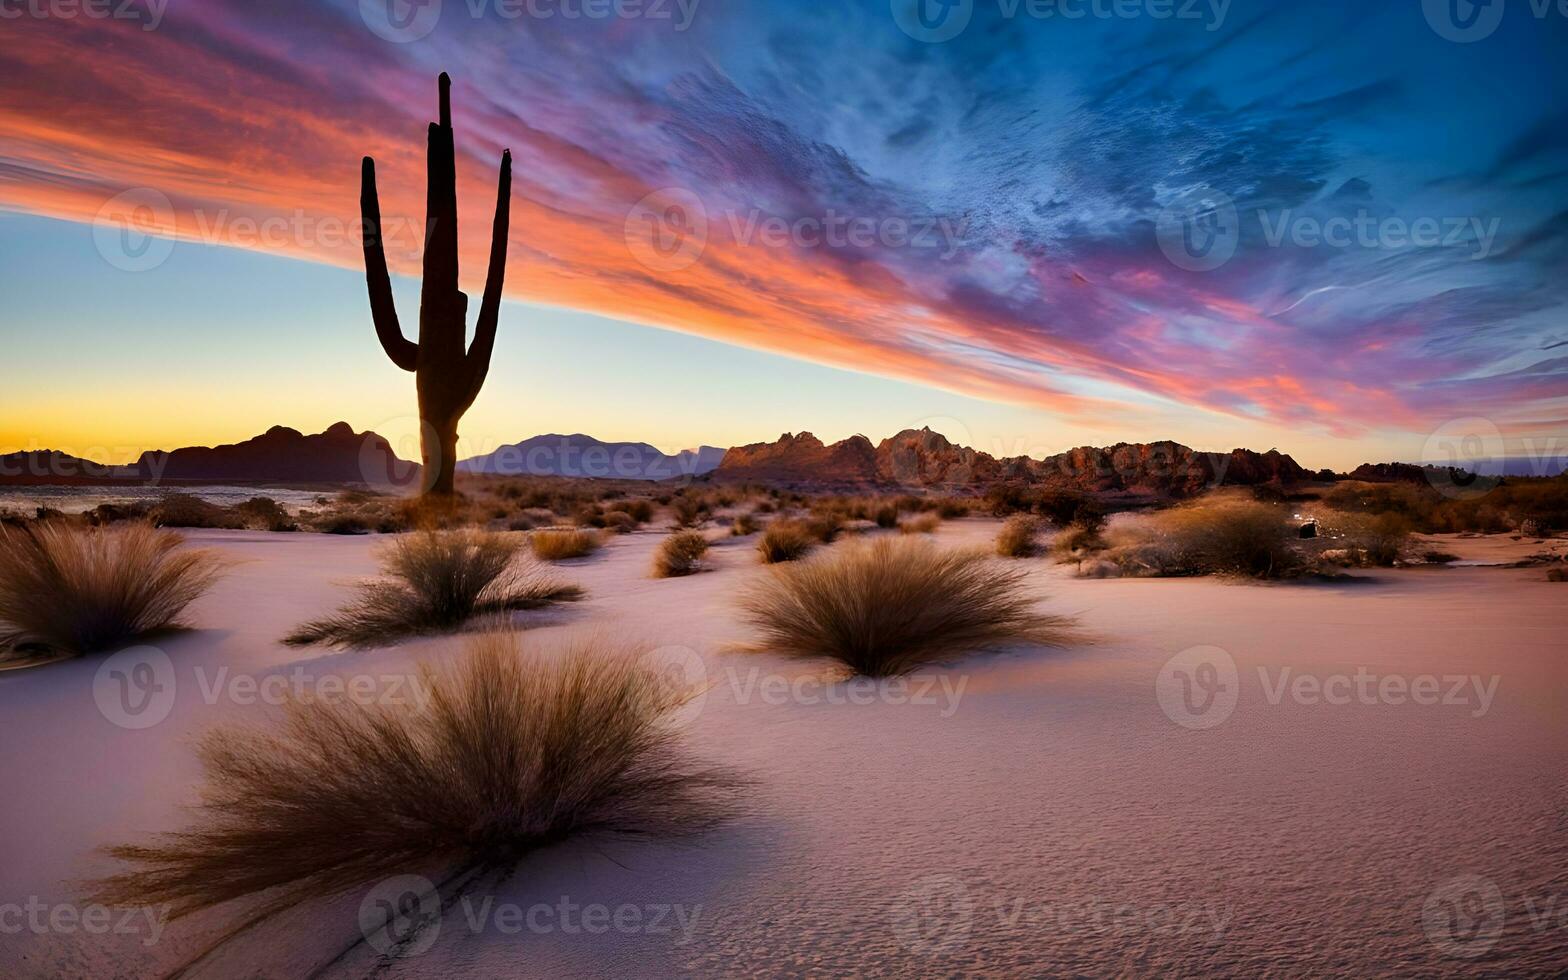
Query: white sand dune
[(1042, 815)]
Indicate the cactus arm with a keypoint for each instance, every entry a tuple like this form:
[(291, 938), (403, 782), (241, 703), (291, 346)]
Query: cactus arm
[(478, 360), (403, 352)]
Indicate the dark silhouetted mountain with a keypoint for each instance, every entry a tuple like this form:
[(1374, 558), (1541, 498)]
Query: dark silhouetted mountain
[(338, 455)]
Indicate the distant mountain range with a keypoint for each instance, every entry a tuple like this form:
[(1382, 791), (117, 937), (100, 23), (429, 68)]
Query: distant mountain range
[(579, 455), (923, 458), (911, 459)]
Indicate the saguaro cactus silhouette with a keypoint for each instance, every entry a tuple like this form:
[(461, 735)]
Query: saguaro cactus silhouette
[(447, 377)]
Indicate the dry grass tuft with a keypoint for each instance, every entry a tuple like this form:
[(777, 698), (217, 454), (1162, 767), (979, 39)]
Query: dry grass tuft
[(785, 541), (1214, 536), (745, 524), (924, 524), (680, 554), (437, 581), (505, 756), (888, 606), (75, 590), (559, 545), (1018, 537)]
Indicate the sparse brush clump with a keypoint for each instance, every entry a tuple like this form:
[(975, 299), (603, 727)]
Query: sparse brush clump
[(680, 554), (1076, 542), (504, 756), (689, 510), (888, 606), (75, 590), (437, 581), (184, 510), (1018, 537), (1213, 537), (1378, 540), (924, 524), (744, 524), (641, 511), (785, 541), (560, 545)]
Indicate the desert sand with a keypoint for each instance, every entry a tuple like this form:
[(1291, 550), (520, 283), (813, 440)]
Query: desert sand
[(1032, 812)]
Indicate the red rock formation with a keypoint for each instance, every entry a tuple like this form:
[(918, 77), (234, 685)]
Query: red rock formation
[(926, 459)]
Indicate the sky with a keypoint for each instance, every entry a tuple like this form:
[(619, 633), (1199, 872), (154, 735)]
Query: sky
[(1339, 228)]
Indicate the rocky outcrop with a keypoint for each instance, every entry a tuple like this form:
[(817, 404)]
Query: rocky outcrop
[(926, 459), (802, 458), (1163, 469)]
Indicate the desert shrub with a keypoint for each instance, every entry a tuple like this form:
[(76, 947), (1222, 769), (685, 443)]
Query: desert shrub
[(619, 522), (1223, 536), (560, 545), (924, 524), (640, 510), (680, 554), (511, 755), (106, 513), (766, 507), (1065, 508), (952, 508), (785, 540), (887, 606), (590, 516), (184, 510), (435, 582), (1556, 575), (1018, 537), (1003, 499), (266, 514), (1370, 539), (77, 590), (886, 516), (343, 524), (745, 524), (1076, 542), (826, 527), (688, 510)]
